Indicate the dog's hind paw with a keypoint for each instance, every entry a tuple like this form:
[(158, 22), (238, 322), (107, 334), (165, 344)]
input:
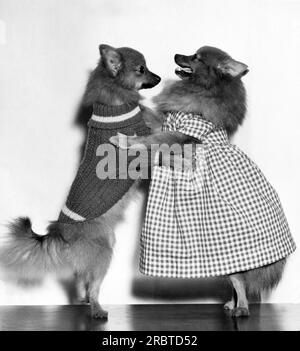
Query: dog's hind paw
[(83, 300), (229, 305), (100, 314), (240, 312)]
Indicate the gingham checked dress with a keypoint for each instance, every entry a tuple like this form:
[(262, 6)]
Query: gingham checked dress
[(219, 218)]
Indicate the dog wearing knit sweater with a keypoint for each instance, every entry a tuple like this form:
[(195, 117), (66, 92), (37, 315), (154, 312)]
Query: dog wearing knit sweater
[(81, 240)]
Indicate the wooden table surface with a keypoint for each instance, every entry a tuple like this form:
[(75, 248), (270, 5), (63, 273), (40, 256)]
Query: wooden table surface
[(181, 317)]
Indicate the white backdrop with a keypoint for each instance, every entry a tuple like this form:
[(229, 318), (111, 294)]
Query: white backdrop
[(46, 50)]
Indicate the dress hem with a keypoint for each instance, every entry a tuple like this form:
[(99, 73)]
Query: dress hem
[(246, 268)]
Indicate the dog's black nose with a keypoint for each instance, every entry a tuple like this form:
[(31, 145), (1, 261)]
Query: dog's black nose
[(152, 81), (157, 78)]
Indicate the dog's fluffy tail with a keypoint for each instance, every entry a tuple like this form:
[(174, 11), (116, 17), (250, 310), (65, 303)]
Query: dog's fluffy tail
[(28, 256), (264, 278)]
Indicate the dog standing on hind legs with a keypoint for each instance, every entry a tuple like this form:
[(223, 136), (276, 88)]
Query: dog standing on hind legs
[(81, 241), (250, 237)]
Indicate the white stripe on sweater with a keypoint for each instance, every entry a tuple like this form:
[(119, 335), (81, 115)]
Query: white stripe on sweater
[(119, 118), (72, 214)]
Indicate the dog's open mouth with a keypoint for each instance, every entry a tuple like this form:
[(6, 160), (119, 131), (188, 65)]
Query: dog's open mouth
[(183, 72)]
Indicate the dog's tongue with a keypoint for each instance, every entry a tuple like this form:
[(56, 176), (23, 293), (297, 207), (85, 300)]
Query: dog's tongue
[(185, 69)]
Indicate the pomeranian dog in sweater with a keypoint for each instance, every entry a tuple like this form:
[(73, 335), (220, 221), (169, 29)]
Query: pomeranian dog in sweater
[(81, 241), (210, 89)]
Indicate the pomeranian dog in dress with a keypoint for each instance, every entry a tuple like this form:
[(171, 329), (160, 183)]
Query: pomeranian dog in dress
[(221, 218)]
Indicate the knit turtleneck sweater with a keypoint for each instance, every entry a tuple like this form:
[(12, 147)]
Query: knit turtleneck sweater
[(90, 196)]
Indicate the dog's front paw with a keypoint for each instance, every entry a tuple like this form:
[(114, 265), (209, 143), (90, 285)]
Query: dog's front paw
[(127, 142), (114, 140), (136, 143), (177, 162), (119, 140)]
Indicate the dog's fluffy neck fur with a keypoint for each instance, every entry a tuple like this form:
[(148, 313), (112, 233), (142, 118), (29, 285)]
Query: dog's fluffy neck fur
[(107, 90), (224, 104)]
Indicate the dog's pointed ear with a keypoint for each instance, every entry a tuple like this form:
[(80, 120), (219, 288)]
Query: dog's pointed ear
[(233, 68), (112, 59)]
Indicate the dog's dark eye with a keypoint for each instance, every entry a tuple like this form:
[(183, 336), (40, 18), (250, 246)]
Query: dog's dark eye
[(197, 57), (142, 69)]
